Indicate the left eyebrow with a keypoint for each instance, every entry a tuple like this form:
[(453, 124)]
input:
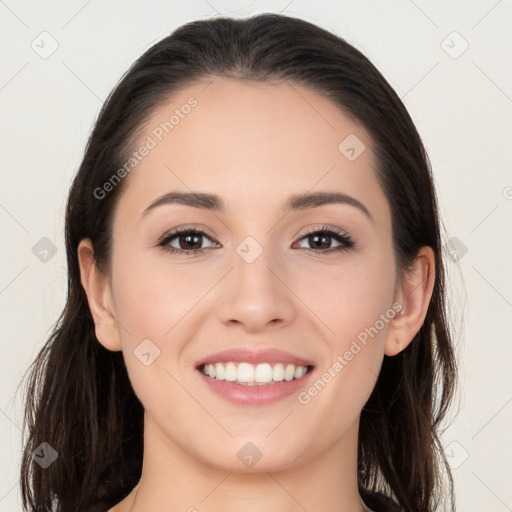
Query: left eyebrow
[(295, 202), (313, 200)]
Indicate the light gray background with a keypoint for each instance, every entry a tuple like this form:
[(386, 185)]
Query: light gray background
[(460, 102)]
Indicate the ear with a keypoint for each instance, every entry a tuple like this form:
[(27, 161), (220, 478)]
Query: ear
[(414, 295), (99, 297)]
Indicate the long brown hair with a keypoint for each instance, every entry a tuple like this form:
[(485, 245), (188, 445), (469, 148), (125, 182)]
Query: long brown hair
[(79, 397)]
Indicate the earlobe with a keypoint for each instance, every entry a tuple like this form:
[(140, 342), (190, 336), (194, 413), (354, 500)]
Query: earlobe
[(99, 297), (414, 295)]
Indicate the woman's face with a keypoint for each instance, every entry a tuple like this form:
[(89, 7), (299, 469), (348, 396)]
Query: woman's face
[(264, 280)]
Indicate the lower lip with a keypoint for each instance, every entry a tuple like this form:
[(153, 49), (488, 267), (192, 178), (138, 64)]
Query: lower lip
[(242, 394)]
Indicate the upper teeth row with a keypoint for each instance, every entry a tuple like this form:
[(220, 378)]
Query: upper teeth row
[(248, 373)]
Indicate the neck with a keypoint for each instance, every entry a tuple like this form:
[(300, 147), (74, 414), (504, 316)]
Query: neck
[(174, 480)]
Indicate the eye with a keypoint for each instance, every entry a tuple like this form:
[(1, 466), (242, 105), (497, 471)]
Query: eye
[(320, 238), (188, 241)]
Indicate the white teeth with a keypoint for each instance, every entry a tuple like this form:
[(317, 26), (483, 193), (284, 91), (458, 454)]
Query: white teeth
[(245, 373), (230, 373), (219, 371), (300, 371), (252, 375), (263, 373), (289, 372), (278, 372)]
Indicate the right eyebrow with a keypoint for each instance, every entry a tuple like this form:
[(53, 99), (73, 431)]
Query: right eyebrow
[(196, 199)]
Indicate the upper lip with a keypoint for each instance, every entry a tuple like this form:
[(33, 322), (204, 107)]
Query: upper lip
[(239, 355)]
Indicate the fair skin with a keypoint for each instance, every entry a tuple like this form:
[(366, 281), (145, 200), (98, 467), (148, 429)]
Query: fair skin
[(254, 145)]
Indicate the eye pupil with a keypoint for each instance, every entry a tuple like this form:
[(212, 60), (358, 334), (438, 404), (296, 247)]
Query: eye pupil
[(188, 243), (324, 237)]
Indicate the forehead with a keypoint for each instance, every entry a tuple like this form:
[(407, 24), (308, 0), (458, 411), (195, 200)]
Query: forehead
[(251, 142)]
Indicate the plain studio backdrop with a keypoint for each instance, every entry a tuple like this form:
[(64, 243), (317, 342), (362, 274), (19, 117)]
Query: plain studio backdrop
[(448, 61)]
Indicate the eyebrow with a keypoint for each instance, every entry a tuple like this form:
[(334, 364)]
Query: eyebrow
[(295, 202)]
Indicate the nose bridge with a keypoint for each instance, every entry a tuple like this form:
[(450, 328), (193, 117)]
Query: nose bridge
[(254, 280), (256, 295)]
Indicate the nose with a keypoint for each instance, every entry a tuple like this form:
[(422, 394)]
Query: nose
[(256, 295)]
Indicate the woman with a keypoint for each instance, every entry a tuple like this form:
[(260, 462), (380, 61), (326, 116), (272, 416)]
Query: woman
[(256, 306)]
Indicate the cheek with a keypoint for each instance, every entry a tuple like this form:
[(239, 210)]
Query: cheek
[(348, 297), (356, 305), (154, 302), (151, 297)]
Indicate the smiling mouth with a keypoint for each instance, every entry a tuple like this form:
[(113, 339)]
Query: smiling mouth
[(248, 374)]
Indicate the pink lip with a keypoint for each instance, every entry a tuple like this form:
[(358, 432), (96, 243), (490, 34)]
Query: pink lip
[(241, 394), (239, 355)]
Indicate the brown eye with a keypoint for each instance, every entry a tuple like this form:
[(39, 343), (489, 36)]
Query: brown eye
[(320, 240), (185, 241), (191, 241)]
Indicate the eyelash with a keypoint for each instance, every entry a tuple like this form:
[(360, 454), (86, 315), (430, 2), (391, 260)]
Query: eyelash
[(344, 239)]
